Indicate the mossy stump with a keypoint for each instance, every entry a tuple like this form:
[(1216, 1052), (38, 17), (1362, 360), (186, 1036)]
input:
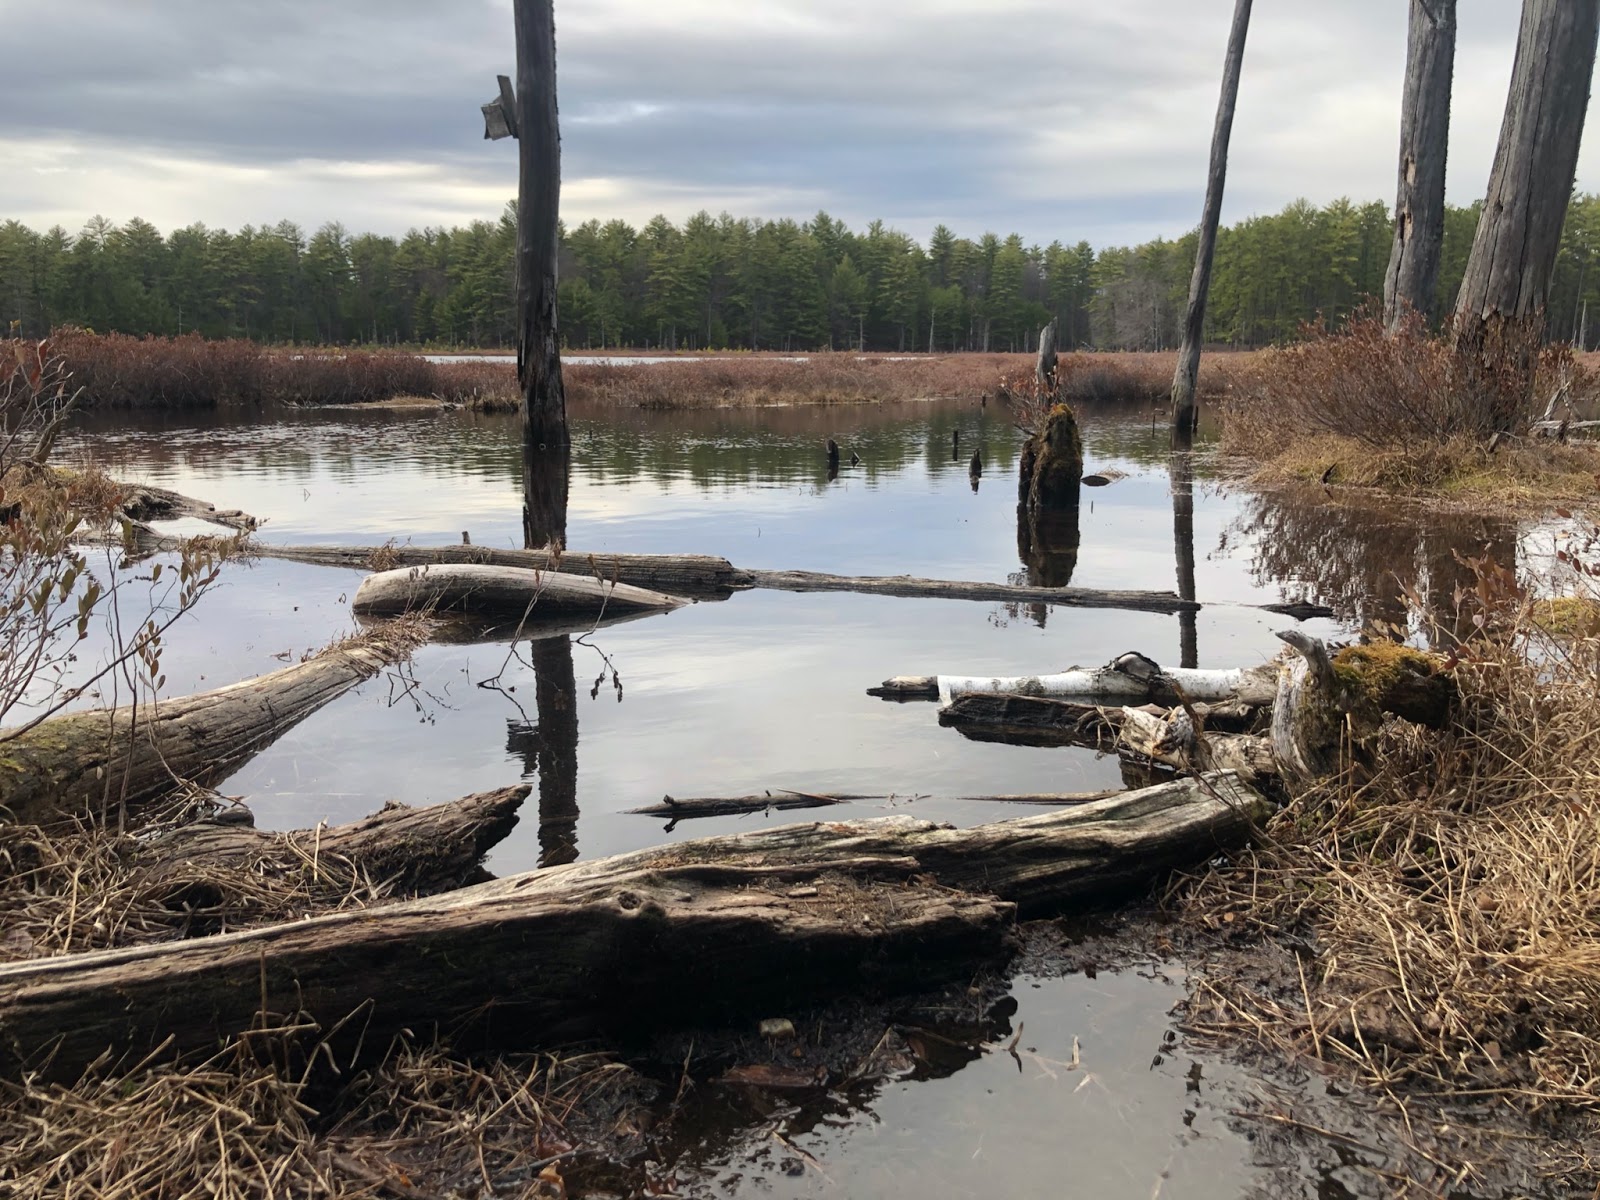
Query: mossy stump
[(1052, 464)]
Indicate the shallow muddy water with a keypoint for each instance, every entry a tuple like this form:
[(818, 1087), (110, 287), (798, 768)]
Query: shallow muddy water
[(767, 691)]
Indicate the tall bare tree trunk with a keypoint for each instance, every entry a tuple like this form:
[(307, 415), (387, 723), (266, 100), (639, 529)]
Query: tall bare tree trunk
[(546, 446), (1500, 309), (1424, 145), (1187, 375)]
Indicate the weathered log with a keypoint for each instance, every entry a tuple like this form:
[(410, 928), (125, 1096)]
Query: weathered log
[(1172, 741), (703, 577), (501, 591), (1044, 721), (910, 586), (1129, 677), (696, 576), (428, 849), (143, 503), (724, 806), (88, 764), (701, 929)]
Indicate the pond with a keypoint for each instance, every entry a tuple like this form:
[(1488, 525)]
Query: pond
[(767, 690)]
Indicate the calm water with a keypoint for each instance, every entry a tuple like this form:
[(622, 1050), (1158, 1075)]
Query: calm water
[(766, 690)]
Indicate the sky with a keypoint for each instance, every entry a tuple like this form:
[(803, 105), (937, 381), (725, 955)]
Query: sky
[(1055, 119)]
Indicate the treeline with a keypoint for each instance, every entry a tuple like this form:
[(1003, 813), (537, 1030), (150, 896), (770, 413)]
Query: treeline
[(725, 282)]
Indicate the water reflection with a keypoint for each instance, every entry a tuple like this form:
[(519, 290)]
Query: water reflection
[(1364, 556)]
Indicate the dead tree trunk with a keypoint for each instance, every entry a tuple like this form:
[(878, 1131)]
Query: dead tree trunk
[(1187, 375), (1500, 308), (1044, 370), (546, 445), (1424, 144)]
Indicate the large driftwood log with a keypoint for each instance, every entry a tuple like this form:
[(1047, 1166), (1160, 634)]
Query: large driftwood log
[(685, 932), (501, 591), (83, 765), (428, 849), (697, 576)]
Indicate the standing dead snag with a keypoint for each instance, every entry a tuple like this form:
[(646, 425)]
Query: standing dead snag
[(1500, 308), (546, 444), (1187, 375), (1424, 145)]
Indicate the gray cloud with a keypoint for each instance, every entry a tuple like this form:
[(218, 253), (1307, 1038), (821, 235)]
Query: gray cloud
[(1054, 119)]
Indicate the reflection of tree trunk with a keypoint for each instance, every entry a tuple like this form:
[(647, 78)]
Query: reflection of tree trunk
[(1181, 468), (544, 514), (556, 698)]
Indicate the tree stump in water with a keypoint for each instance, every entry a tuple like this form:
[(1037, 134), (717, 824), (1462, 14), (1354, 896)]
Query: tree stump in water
[(1051, 467)]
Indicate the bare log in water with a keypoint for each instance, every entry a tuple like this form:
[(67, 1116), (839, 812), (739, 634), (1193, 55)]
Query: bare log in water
[(725, 806), (429, 849), (84, 765), (910, 586), (1127, 678), (701, 929), (697, 576), (703, 577), (501, 591)]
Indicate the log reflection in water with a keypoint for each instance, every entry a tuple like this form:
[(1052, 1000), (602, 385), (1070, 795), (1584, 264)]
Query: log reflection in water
[(1047, 544), (1181, 472), (1362, 555)]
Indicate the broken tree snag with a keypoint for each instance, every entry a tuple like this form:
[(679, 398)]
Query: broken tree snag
[(1424, 146), (410, 850), (910, 586), (1187, 374), (91, 764), (501, 591), (1499, 319), (698, 576), (711, 928), (1044, 369), (1051, 465), (1128, 677)]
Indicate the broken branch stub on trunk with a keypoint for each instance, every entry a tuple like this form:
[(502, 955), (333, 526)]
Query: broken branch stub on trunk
[(501, 591), (75, 767), (718, 927)]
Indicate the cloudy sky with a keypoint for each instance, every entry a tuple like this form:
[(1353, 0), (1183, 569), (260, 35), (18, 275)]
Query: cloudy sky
[(1053, 118)]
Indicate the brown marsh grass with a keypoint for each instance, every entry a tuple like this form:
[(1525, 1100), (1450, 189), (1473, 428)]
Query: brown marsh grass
[(1407, 414), (1445, 900)]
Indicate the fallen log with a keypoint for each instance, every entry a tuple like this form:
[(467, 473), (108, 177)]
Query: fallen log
[(501, 591), (91, 764), (702, 929), (1128, 677), (725, 806), (911, 587), (701, 577), (143, 503), (693, 575), (1132, 733), (412, 850), (1046, 721)]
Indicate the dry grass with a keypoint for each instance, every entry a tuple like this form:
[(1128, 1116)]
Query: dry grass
[(271, 1115), (1446, 895), (1408, 414)]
